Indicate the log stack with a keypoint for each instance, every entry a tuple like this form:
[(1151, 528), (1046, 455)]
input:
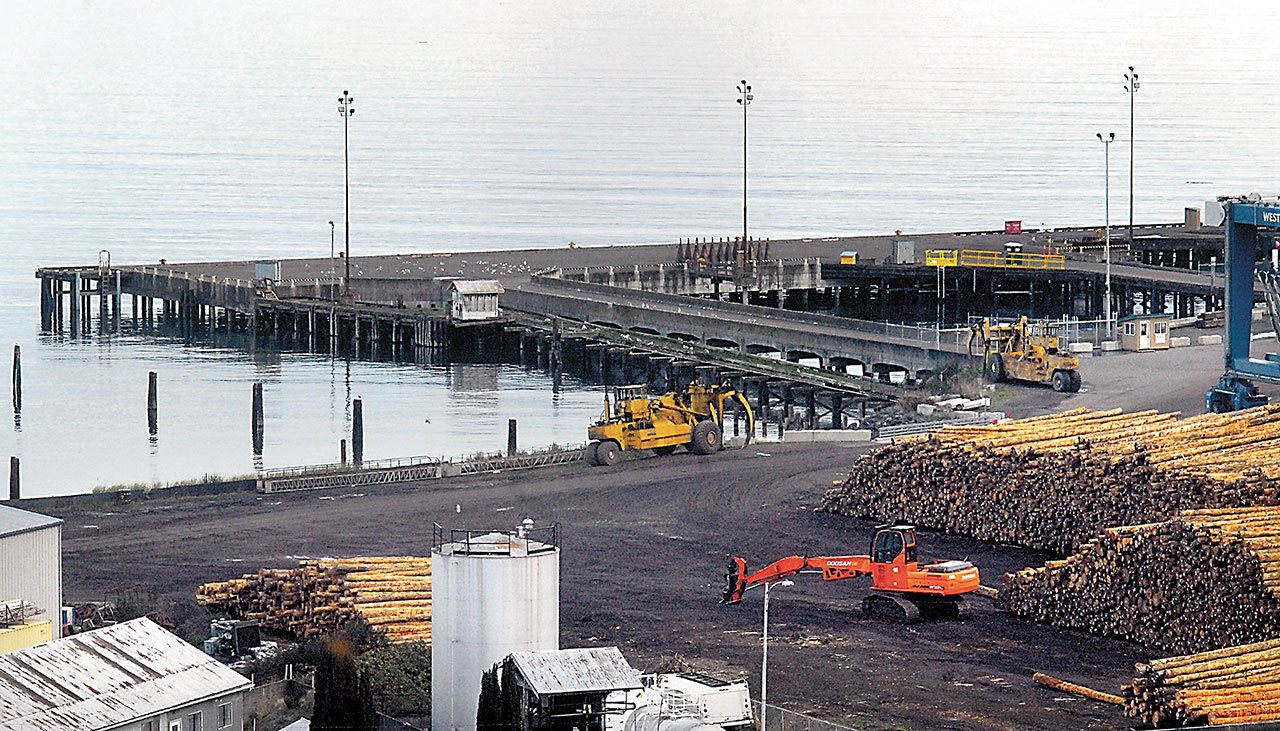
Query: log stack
[(1205, 580), (1238, 684), (390, 593), (1052, 482)]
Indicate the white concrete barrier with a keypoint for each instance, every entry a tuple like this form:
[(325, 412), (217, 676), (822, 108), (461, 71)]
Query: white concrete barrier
[(926, 409), (1209, 340), (1081, 348), (1179, 342), (1110, 345), (805, 436)]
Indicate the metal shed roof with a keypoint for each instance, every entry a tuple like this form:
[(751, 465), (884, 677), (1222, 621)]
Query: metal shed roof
[(107, 677), (478, 286), (15, 520), (584, 670)]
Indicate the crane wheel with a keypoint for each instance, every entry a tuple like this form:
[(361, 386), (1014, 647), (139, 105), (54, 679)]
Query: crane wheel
[(608, 454), (590, 456), (995, 368), (890, 608), (706, 438), (664, 451), (1061, 381)]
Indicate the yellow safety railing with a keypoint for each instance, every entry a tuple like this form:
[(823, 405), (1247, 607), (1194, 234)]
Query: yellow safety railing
[(941, 257), (996, 259)]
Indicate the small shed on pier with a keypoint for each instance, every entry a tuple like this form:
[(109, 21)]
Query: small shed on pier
[(474, 299)]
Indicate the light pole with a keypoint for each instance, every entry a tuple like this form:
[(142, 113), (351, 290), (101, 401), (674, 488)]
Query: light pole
[(346, 110), (744, 100), (333, 267), (1106, 145), (764, 660), (1131, 86)]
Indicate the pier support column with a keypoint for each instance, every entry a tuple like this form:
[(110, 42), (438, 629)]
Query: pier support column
[(75, 305), (357, 431), (257, 421), (115, 304)]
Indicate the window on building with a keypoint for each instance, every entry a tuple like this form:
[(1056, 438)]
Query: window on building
[(1162, 328), (152, 725), (195, 721), (1128, 328), (224, 715)]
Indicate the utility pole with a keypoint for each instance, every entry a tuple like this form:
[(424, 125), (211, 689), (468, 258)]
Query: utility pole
[(346, 110), (1131, 86), (744, 99), (1106, 145)]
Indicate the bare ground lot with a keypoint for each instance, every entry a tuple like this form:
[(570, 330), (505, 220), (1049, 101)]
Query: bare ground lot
[(643, 554)]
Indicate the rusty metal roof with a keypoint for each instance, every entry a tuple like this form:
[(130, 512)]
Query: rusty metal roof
[(583, 670), (107, 677), (478, 286), (15, 520)]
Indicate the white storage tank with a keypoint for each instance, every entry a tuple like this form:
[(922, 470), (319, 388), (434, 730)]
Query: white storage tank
[(493, 593)]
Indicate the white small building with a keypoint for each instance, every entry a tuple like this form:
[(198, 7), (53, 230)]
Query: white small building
[(31, 562), (474, 299), (135, 675)]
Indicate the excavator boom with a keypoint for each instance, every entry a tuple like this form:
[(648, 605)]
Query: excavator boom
[(832, 568)]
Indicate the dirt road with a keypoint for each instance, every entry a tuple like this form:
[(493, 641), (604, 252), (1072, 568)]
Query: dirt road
[(643, 554)]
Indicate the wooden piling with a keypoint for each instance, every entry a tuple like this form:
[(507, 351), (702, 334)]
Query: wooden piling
[(17, 379), (15, 488), (257, 423), (152, 403), (342, 450), (357, 431), (511, 437)]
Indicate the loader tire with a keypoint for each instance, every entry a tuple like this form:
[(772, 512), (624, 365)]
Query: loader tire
[(1076, 381), (706, 438), (995, 369), (1061, 381), (608, 454), (590, 455)]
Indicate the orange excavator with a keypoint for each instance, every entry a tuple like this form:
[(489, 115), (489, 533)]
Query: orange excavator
[(902, 589)]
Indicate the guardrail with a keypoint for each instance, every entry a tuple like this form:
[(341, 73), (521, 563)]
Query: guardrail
[(406, 469), (993, 259)]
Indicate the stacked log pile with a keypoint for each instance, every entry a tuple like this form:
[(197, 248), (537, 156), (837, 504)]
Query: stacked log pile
[(1205, 580), (1052, 482), (390, 593), (1234, 685)]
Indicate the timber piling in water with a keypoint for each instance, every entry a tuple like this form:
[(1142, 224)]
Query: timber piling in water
[(17, 379), (153, 404), (257, 420)]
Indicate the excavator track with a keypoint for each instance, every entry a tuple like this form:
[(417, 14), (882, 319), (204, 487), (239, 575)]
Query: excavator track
[(890, 608)]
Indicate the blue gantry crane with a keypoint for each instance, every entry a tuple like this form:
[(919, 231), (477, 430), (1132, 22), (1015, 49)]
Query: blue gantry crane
[(1252, 227)]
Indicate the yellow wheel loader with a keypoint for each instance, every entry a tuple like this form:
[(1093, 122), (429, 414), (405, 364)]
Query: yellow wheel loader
[(1025, 351), (693, 419)]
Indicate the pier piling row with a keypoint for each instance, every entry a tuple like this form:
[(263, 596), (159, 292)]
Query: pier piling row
[(306, 312)]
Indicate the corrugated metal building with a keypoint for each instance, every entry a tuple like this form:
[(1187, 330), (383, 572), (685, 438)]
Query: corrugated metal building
[(135, 675), (569, 690), (474, 299), (31, 561)]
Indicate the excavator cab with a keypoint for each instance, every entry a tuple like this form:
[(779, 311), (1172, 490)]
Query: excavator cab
[(892, 542)]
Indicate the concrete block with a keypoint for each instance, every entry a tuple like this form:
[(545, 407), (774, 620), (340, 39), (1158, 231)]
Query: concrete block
[(1081, 348), (926, 409), (1109, 346), (805, 436), (1179, 342), (1209, 340)]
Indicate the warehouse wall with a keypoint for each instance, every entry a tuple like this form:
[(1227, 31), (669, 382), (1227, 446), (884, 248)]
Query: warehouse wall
[(31, 569)]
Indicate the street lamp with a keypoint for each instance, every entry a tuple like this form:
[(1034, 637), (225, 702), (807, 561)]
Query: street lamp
[(333, 267), (346, 110), (744, 100), (1131, 86), (764, 660), (1106, 144)]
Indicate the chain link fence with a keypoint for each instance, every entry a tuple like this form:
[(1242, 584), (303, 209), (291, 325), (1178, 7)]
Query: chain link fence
[(780, 719)]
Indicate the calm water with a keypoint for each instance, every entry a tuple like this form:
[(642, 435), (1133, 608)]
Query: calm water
[(210, 131)]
